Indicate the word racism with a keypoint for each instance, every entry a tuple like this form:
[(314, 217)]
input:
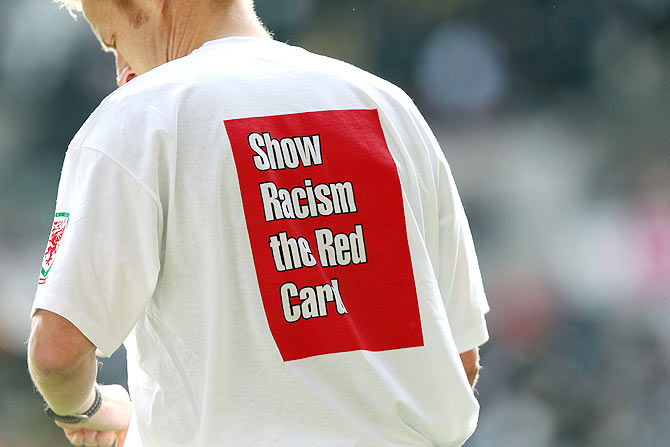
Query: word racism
[(309, 200)]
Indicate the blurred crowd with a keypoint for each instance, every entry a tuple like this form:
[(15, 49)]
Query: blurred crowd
[(554, 116)]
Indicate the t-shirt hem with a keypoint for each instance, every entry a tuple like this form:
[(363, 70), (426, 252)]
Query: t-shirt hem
[(91, 330)]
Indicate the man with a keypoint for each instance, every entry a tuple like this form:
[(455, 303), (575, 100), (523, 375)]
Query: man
[(276, 238)]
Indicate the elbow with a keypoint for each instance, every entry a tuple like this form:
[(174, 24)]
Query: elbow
[(55, 347), (49, 359), (44, 360)]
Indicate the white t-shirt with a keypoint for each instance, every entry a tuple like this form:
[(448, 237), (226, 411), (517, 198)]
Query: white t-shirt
[(277, 239)]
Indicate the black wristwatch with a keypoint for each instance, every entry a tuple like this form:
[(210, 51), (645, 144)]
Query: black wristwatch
[(76, 418)]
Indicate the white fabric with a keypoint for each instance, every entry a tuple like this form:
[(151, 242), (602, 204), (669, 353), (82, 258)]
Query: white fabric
[(156, 253)]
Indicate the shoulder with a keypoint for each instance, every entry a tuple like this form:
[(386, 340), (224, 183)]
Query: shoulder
[(356, 76), (135, 114)]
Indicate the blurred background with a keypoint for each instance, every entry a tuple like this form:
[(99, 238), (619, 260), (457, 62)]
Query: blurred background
[(555, 118)]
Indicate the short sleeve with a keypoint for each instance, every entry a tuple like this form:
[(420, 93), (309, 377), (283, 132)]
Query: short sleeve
[(458, 274), (451, 247), (103, 260)]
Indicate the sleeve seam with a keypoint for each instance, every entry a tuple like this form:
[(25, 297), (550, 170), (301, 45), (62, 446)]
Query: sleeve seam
[(130, 174)]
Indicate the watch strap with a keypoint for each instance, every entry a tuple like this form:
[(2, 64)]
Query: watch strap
[(76, 418)]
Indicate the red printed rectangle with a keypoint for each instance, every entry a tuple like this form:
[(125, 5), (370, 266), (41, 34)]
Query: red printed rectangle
[(324, 211)]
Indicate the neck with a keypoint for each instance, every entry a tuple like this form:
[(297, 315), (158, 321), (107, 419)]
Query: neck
[(189, 24)]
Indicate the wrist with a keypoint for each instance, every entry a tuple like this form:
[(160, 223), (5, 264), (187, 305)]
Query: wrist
[(83, 414), (90, 399)]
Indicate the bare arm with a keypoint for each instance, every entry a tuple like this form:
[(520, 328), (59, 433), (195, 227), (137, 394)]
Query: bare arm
[(62, 363), (63, 366), (471, 365)]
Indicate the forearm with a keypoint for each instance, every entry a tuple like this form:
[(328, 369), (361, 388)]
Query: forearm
[(69, 390), (470, 360), (473, 375)]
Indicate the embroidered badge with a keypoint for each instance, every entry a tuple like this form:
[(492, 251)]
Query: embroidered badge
[(57, 230)]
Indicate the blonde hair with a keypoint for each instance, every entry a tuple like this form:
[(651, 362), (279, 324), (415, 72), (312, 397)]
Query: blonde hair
[(70, 5), (75, 5)]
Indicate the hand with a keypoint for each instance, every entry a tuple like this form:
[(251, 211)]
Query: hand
[(108, 425)]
